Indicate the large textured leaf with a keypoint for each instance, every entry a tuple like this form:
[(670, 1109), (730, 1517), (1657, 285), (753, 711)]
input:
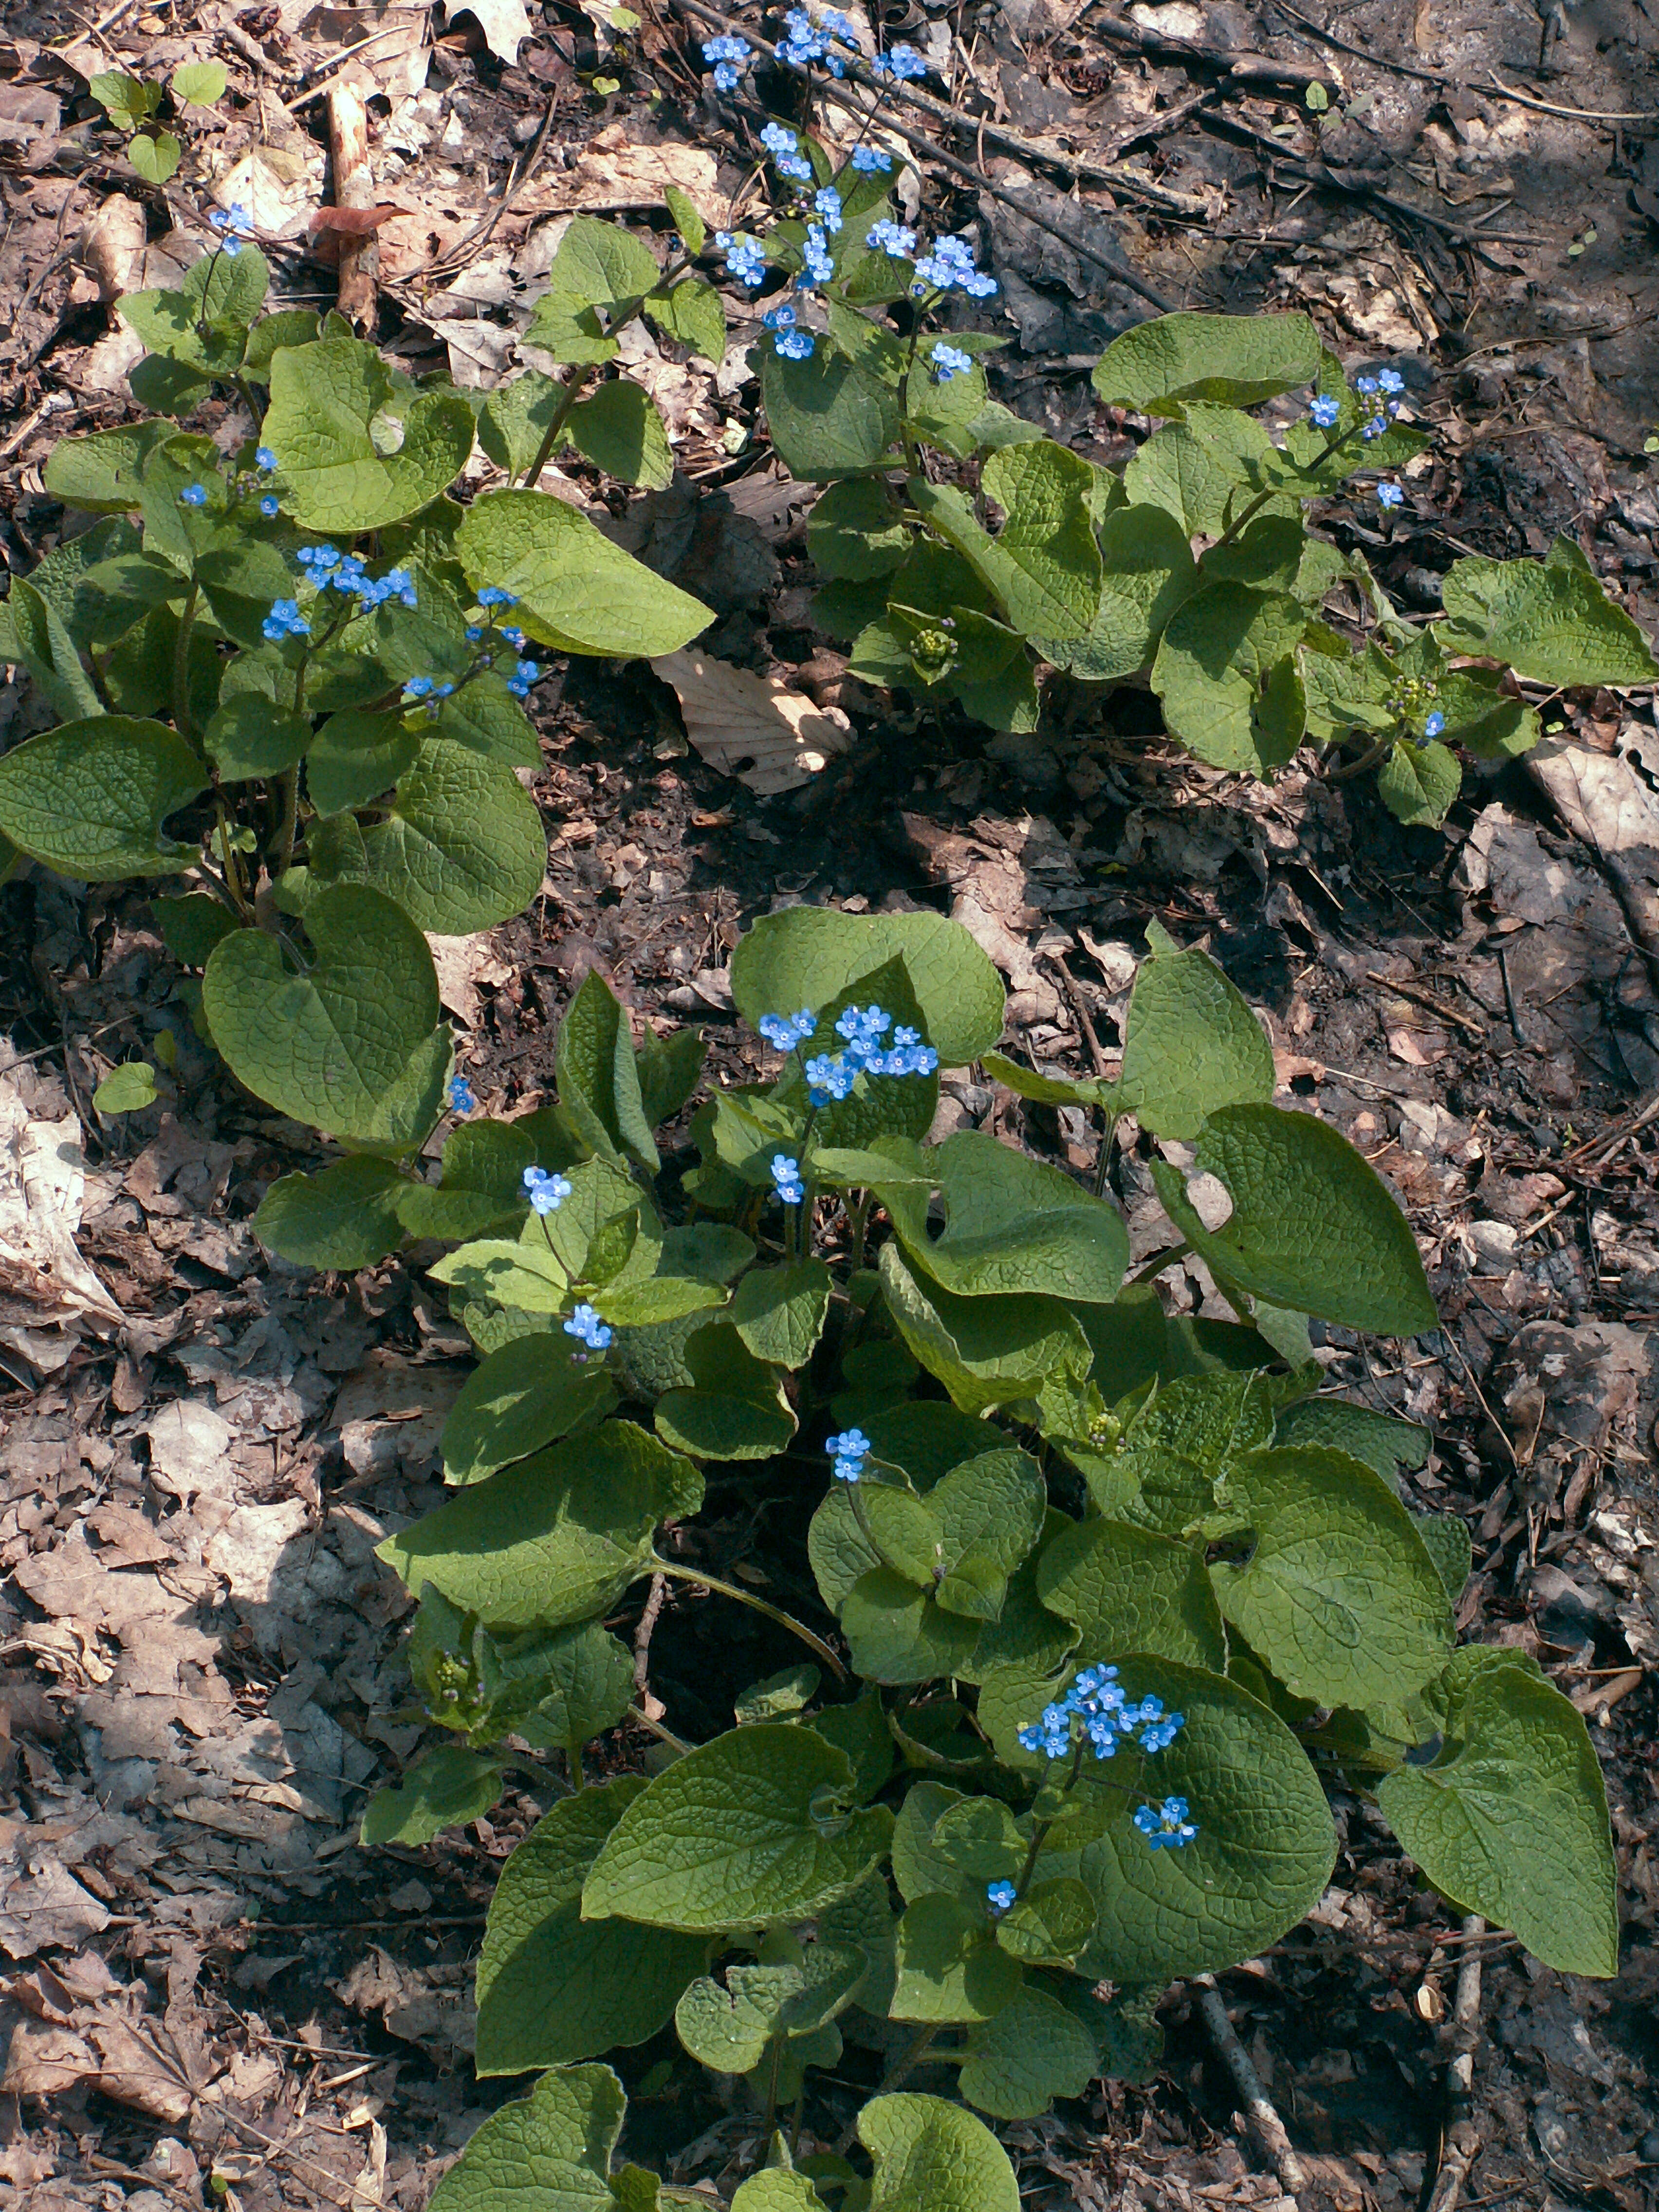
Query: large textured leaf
[(100, 474), (555, 1538), (524, 1396), (741, 1832), (950, 1967), (444, 1788), (599, 1073), (1044, 565), (461, 846), (1202, 470), (89, 798), (929, 2153), (1212, 673), (1192, 1043), (548, 2152), (1011, 1224), (1147, 571), (344, 1216), (1418, 783), (828, 416), (1032, 2053), (1238, 360), (1128, 1589), (1339, 1594), (1549, 619), (323, 400), (576, 591), (805, 956), (1312, 1227), (620, 431), (42, 640), (553, 1987), (1263, 1853), (779, 1311), (737, 1409), (355, 1045), (1510, 1820), (986, 1351)]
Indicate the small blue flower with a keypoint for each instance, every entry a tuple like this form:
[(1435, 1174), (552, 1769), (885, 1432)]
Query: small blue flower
[(827, 203), (783, 1032), (815, 254), (270, 505), (1390, 380), (894, 239), (830, 1078), (902, 62), (492, 595), (1389, 495), (951, 266), (949, 361), (1374, 428), (1436, 723), (1365, 384), (778, 138), (417, 687), (318, 561), (514, 637), (285, 620), (848, 1452), (1325, 410), (729, 59), (786, 1178), (193, 496), (546, 1193), (1000, 1896), (871, 160), (445, 691), (794, 346), (233, 221), (745, 257), (780, 318), (585, 1323), (474, 632), (1166, 1826), (461, 1100), (265, 460), (526, 674)]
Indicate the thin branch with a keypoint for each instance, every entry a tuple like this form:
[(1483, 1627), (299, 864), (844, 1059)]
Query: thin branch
[(1259, 2109)]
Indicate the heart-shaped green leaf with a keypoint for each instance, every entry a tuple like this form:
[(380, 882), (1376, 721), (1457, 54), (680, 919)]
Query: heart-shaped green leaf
[(576, 591), (89, 798)]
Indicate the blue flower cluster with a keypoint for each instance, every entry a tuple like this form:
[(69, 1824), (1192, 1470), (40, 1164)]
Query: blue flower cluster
[(1165, 1826), (900, 63), (328, 569), (492, 595), (808, 41), (285, 620), (745, 259), (787, 338), (819, 268), (585, 1323), (783, 1032), (785, 1179), (461, 1098), (949, 266), (848, 1452), (546, 1193), (422, 688), (872, 161), (1325, 410), (1000, 1896), (894, 239), (826, 203), (1379, 391), (861, 1029), (729, 59), (1096, 1705), (949, 361), (781, 143), (233, 223), (524, 675)]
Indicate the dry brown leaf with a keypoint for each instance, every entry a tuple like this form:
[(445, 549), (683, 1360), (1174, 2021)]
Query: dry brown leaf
[(753, 727), (613, 173), (463, 964), (504, 23), (42, 1185), (112, 245)]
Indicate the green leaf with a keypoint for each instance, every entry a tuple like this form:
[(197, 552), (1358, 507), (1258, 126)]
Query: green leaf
[(323, 399), (344, 1217), (1381, 1442), (1011, 1224), (250, 736), (1447, 1541), (1202, 470), (620, 431), (1147, 572), (156, 159), (950, 1967), (855, 531), (986, 1351), (127, 1089), (741, 1832), (897, 1634), (1050, 1924), (1191, 1045), (587, 1678), (1044, 566), (1339, 1594), (1129, 1591), (444, 1788), (461, 847), (555, 1538), (929, 2153), (805, 956), (779, 1311), (199, 84), (548, 2152), (355, 1045), (42, 640), (942, 411), (524, 1396), (1216, 655), (737, 1408), (100, 474), (829, 417), (1550, 620), (191, 926), (1312, 1228), (553, 1987), (1029, 2054), (89, 798), (598, 1075), (600, 265), (576, 591), (1263, 1856), (693, 315), (516, 417), (688, 220), (126, 99), (775, 2190), (354, 757), (1510, 1820), (570, 334), (1418, 783), (1238, 360)]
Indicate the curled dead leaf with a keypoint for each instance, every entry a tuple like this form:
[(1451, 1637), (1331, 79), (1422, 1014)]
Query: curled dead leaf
[(753, 727), (355, 222)]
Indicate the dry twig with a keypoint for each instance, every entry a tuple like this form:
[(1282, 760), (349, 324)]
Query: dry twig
[(1265, 2122)]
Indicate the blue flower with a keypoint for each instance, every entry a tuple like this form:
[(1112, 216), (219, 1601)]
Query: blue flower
[(1436, 723), (348, 577), (815, 254), (871, 160), (585, 1323), (285, 620), (1374, 428), (492, 595), (417, 687), (318, 561), (526, 674), (902, 62), (546, 1193), (848, 1452), (729, 59), (1389, 495), (786, 1177), (1366, 384), (778, 138), (949, 361), (474, 632), (783, 1032), (1000, 1896), (1390, 380), (828, 1079), (1166, 1826), (265, 460), (893, 238), (780, 318), (745, 257), (827, 202), (950, 266), (235, 219), (461, 1100), (794, 346), (270, 505), (1325, 410), (193, 496), (514, 637), (860, 1026)]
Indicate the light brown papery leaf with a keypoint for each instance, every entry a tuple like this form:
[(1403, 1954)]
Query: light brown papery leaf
[(504, 23), (753, 727), (354, 222), (613, 173)]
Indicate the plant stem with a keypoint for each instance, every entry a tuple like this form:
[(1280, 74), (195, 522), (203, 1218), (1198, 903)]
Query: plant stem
[(1333, 439), (544, 453), (1157, 1264), (815, 1643), (181, 714), (283, 844), (1379, 749), (1103, 1157), (772, 2072), (901, 2071), (573, 1751), (858, 1222), (663, 1735)]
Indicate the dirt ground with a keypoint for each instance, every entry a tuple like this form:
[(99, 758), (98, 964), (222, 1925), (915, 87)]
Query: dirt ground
[(210, 1994)]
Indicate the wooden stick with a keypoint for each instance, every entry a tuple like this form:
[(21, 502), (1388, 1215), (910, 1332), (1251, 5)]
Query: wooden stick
[(1461, 2142), (354, 187), (1265, 2122)]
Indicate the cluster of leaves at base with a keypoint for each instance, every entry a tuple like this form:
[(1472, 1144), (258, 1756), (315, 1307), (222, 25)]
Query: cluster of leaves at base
[(1229, 1539), (133, 104), (331, 790)]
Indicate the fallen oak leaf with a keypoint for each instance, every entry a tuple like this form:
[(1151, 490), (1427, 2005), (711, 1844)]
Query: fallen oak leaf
[(753, 727)]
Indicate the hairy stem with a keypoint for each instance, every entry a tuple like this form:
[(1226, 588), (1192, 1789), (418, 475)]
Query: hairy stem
[(900, 2071), (181, 714), (815, 1643), (533, 476)]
